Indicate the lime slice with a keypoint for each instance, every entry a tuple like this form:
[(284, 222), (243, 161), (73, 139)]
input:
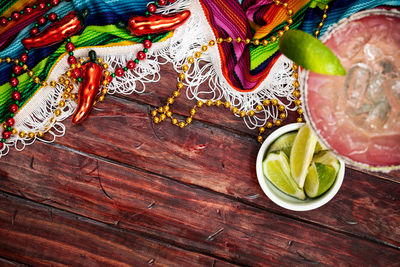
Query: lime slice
[(327, 158), (277, 170), (320, 178), (301, 154), (319, 148), (309, 52), (283, 143)]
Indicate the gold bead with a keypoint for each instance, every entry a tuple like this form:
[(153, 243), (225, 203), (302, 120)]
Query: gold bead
[(316, 32), (269, 125), (220, 40), (289, 21), (170, 100), (185, 68), (31, 135), (8, 60), (104, 82), (238, 39), (174, 121), (300, 110), (182, 124), (61, 104), (53, 83), (321, 24), (4, 126), (281, 108), (61, 79), (161, 109), (67, 82), (218, 103), (326, 7), (297, 102), (211, 43), (197, 54), (273, 38), (295, 66), (74, 96), (209, 103), (52, 120), (73, 66), (105, 66), (163, 117), (256, 42), (166, 108), (179, 85), (247, 41), (280, 33), (14, 131), (175, 93), (169, 114), (259, 108), (106, 73), (188, 120), (81, 60), (204, 48), (22, 134), (259, 138), (251, 113), (44, 83), (229, 39), (100, 60), (181, 76), (68, 90), (296, 93), (261, 130), (227, 104), (154, 113), (265, 42), (278, 122), (30, 73), (40, 134), (282, 116), (1, 60), (277, 2), (68, 73), (190, 60), (192, 112), (65, 95), (101, 98), (285, 5), (156, 120), (274, 102), (36, 80), (104, 91), (235, 110), (299, 119), (295, 75), (57, 112), (290, 12), (324, 16), (266, 102), (242, 113), (199, 103), (25, 67)]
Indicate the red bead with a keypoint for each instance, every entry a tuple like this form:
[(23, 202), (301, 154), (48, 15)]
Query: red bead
[(3, 21), (23, 57), (76, 73), (147, 43), (131, 64), (16, 95), (14, 82), (141, 55), (17, 69), (34, 31), (171, 1), (15, 15), (13, 108), (52, 16), (6, 134), (119, 72), (71, 60), (42, 6), (10, 122), (109, 79), (41, 20), (28, 10), (151, 8), (1, 145), (70, 47), (54, 2), (162, 2)]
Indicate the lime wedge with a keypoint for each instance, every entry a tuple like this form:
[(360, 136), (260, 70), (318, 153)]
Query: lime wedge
[(283, 143), (309, 52), (320, 178), (301, 154), (327, 158), (277, 170), (318, 148)]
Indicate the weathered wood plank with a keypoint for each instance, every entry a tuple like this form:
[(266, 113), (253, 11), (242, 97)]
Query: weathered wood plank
[(43, 236), (9, 263), (225, 162), (180, 214)]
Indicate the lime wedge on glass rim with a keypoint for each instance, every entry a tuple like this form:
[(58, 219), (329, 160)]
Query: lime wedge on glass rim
[(310, 53), (320, 178), (301, 154), (277, 170)]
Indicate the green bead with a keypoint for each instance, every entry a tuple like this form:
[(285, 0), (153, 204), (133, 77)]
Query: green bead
[(13, 75), (68, 39), (36, 25), (58, 17), (46, 16), (10, 19), (34, 6), (21, 63), (113, 75), (26, 51), (147, 13), (136, 60), (145, 50), (21, 12), (11, 115), (17, 103), (9, 128), (48, 5), (3, 140), (79, 79), (71, 53), (125, 68)]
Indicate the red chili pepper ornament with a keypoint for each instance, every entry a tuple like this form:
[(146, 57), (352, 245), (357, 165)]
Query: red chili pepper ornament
[(88, 89), (156, 23), (57, 32)]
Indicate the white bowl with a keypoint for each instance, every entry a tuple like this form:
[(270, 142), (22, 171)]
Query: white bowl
[(282, 199)]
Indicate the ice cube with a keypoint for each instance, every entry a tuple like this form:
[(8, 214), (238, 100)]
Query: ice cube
[(375, 90), (372, 52), (356, 83), (378, 115)]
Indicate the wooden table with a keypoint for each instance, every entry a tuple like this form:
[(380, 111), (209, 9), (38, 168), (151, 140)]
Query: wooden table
[(121, 191)]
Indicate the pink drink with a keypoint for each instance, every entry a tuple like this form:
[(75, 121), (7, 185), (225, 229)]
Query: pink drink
[(358, 115)]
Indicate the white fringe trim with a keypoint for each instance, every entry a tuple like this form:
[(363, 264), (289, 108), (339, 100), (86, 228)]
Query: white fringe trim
[(187, 39)]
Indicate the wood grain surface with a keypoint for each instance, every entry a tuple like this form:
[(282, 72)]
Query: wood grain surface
[(121, 191)]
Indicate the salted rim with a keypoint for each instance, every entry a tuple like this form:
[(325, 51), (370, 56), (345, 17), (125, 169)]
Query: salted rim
[(328, 35)]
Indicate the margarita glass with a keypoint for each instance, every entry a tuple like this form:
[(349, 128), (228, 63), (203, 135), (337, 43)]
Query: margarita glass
[(358, 115)]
